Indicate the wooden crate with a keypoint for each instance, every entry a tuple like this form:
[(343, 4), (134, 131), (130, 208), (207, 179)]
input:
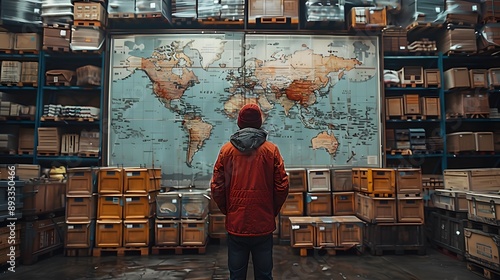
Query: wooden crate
[(466, 103), (138, 232), (396, 238), (294, 205), (318, 204), (89, 11), (109, 233), (452, 200), (137, 180), (408, 181), (394, 107), (217, 225), (70, 144), (318, 180), (367, 18), (343, 203), (410, 209), (41, 198), (285, 228), (80, 234), (431, 106), (478, 78), (194, 232), (483, 207), (395, 40), (48, 140), (484, 141), (302, 232), (475, 179), (110, 180), (81, 208), (26, 139), (494, 77), (378, 180), (168, 205), (411, 75), (326, 232), (376, 209), (482, 247), (89, 142), (448, 232), (139, 206), (81, 181), (432, 78), (298, 179), (460, 142), (41, 235), (456, 78), (341, 180), (109, 207), (411, 104), (350, 231), (356, 178), (194, 205), (167, 232)]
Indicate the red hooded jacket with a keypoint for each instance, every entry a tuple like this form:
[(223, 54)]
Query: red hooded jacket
[(249, 183)]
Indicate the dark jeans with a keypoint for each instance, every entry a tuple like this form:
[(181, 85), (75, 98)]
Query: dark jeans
[(238, 252)]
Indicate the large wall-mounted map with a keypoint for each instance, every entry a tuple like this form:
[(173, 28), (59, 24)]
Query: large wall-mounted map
[(174, 98)]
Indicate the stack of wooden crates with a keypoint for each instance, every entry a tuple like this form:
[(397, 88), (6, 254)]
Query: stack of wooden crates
[(464, 219), (319, 211), (182, 221), (391, 202), (125, 209), (81, 208)]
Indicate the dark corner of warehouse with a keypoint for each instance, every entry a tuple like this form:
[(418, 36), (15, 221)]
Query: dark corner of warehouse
[(123, 125)]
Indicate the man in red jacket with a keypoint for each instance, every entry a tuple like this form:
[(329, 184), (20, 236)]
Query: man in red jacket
[(250, 185)]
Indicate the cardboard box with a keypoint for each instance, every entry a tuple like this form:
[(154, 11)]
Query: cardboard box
[(460, 142), (56, 37), (27, 42), (167, 232), (367, 18), (475, 179), (88, 75), (89, 11), (7, 40)]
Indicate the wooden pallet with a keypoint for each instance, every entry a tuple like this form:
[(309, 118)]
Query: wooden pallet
[(9, 84), (120, 251), (24, 151), (445, 250), (483, 271), (27, 51), (179, 250), (6, 51), (380, 250), (95, 23), (120, 15), (88, 154), (27, 84), (412, 85), (59, 84), (403, 152), (56, 49), (78, 252), (148, 15), (48, 153), (210, 21), (413, 117), (50, 119), (57, 25)]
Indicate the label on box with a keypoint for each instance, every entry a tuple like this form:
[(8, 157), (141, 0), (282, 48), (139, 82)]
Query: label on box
[(314, 197), (160, 226), (116, 200), (56, 79), (71, 227), (36, 10), (130, 226), (63, 33), (321, 228), (438, 9), (474, 8), (129, 174), (295, 227), (128, 199), (174, 200), (152, 5)]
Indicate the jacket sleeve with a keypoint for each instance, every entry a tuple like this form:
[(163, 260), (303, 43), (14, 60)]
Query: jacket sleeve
[(281, 184), (217, 185)]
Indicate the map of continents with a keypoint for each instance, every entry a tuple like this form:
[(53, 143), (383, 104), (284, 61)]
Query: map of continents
[(175, 98)]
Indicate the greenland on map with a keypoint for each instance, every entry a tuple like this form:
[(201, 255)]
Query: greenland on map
[(174, 99)]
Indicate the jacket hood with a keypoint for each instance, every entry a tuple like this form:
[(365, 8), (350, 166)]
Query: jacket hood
[(248, 139)]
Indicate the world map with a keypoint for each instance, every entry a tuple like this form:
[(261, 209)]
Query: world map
[(175, 98)]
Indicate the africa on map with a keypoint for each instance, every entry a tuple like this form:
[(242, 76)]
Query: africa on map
[(174, 99)]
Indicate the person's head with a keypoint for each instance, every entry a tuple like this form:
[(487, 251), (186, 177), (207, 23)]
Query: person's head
[(250, 116)]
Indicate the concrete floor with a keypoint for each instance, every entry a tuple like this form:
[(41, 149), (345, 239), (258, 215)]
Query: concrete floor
[(288, 264)]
